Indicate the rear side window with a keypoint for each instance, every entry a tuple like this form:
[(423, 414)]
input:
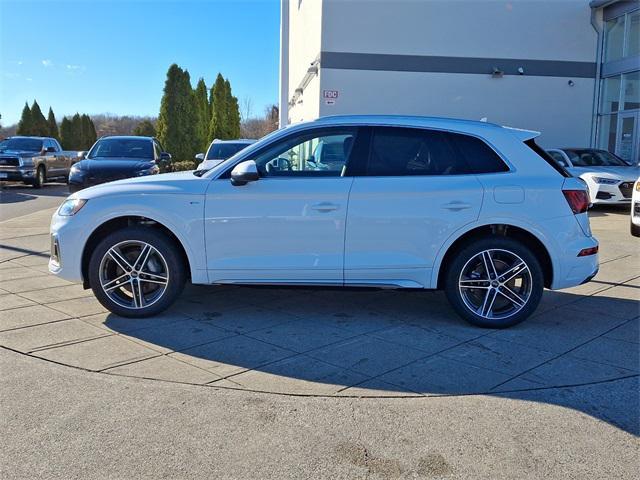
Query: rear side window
[(546, 157), (479, 156), (408, 151)]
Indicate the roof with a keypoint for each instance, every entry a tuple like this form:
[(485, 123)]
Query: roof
[(453, 124), (238, 140), (29, 136), (132, 137)]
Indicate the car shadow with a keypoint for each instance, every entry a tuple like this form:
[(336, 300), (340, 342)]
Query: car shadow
[(606, 210), (15, 193), (580, 352)]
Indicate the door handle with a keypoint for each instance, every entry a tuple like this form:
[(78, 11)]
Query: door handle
[(325, 207), (456, 206)]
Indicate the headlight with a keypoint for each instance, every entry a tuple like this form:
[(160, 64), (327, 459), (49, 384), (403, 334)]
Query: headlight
[(71, 207), (605, 181), (26, 162), (150, 171), (638, 186), (74, 169)]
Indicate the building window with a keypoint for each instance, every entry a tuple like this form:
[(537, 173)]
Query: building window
[(631, 90), (607, 132), (614, 39), (622, 37), (610, 100)]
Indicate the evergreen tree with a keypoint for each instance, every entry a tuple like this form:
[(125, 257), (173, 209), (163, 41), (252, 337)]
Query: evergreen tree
[(219, 110), (40, 127), (25, 125), (76, 132), (145, 129), (233, 113), (88, 133), (53, 125), (177, 120), (66, 134), (203, 114)]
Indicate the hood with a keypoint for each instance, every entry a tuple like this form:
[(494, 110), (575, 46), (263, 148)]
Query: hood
[(623, 173), (18, 153), (114, 165), (164, 183)]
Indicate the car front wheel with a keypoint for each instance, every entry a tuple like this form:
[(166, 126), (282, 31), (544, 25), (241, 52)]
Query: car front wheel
[(136, 272), (494, 282)]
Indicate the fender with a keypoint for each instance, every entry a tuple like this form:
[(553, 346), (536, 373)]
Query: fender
[(549, 242), (190, 234)]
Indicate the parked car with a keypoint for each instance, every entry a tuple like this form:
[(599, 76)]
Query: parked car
[(476, 209), (115, 158), (609, 178), (34, 160), (220, 150), (635, 210)]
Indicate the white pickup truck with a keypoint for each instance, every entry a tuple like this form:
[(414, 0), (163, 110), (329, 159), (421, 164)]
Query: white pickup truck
[(34, 160)]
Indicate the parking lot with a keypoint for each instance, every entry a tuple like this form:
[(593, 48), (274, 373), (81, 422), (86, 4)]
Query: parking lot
[(335, 343)]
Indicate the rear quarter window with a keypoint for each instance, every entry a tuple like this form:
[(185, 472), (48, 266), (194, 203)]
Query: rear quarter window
[(479, 156)]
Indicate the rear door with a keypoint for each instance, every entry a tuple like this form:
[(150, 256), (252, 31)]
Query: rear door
[(415, 191)]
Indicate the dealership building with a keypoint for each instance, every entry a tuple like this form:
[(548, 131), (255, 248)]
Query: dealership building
[(567, 68)]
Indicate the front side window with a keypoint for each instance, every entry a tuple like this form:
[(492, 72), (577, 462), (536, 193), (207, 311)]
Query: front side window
[(397, 151), (321, 154), (122, 148)]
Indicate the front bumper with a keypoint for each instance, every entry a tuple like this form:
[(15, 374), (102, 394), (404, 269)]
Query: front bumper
[(67, 244), (22, 174), (619, 194)]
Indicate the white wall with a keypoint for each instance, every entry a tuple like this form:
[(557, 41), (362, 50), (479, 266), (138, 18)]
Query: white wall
[(305, 36), (558, 30)]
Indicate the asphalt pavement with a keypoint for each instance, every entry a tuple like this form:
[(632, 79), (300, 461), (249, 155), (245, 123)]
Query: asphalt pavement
[(17, 200)]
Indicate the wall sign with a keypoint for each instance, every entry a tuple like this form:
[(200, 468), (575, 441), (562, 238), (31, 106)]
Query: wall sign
[(330, 96)]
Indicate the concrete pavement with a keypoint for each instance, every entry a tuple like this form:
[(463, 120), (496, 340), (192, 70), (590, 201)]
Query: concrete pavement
[(576, 362)]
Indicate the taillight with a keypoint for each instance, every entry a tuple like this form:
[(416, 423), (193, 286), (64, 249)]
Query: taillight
[(578, 200)]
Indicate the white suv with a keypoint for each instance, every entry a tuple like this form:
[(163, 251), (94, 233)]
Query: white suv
[(476, 209)]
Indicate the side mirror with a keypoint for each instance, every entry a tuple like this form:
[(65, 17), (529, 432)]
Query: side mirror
[(165, 157), (200, 157), (81, 154), (244, 173)]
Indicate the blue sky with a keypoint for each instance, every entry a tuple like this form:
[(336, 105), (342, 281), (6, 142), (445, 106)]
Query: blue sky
[(96, 56)]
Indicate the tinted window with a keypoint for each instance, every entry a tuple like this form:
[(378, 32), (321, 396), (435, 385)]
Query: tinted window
[(408, 151), (122, 148), (320, 154), (222, 151), (479, 156)]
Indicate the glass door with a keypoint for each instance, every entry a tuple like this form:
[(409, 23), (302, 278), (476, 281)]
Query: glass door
[(628, 139)]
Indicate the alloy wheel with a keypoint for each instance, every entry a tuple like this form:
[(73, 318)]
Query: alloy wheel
[(495, 284), (134, 274)]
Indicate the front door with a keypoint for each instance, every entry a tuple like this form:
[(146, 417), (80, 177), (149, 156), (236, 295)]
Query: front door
[(287, 227), (628, 138)]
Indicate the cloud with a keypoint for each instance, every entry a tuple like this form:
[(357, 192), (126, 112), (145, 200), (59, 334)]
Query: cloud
[(19, 62), (74, 68), (47, 63), (29, 79)]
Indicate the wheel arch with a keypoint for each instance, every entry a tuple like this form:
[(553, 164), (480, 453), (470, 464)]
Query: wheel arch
[(506, 229), (117, 223)]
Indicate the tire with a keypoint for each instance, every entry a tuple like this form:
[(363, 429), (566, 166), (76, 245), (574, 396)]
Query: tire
[(635, 230), (40, 178), (491, 302), (160, 273)]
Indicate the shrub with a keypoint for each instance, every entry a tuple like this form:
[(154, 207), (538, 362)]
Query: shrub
[(182, 166)]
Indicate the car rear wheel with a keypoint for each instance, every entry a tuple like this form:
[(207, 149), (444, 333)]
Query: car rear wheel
[(495, 282), (136, 272)]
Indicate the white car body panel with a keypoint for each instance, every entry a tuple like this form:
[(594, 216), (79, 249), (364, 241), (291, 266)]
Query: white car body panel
[(381, 231), (588, 174), (635, 205)]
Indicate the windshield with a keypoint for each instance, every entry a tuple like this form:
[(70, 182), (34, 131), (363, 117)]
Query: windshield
[(594, 158), (222, 151), (24, 144), (122, 148)]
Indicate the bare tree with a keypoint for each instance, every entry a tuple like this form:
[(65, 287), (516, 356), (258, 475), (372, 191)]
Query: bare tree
[(246, 110)]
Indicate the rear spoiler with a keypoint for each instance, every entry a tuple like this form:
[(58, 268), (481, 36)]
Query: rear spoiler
[(523, 135)]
